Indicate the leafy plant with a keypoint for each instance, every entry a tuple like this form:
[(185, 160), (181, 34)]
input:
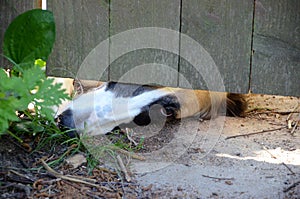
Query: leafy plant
[(28, 42)]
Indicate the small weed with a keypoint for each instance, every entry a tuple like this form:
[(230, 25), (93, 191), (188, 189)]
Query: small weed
[(120, 140)]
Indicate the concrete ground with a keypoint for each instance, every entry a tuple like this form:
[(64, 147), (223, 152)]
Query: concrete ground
[(201, 159), (199, 162)]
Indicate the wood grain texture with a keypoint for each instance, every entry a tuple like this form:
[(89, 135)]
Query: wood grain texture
[(276, 58), (10, 9), (127, 15), (223, 28), (80, 26)]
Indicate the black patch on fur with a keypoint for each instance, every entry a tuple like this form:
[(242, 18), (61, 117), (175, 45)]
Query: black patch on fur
[(66, 122), (170, 105), (127, 90), (117, 128), (236, 104), (143, 119), (110, 86)]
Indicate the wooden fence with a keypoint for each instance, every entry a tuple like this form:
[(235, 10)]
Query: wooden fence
[(255, 44)]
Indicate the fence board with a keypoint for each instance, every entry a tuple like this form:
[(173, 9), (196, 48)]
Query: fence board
[(276, 58), (131, 67), (80, 26), (9, 10), (223, 28)]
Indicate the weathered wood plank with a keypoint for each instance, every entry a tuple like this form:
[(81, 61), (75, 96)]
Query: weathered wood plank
[(276, 58), (135, 66), (10, 9), (80, 26), (223, 28)]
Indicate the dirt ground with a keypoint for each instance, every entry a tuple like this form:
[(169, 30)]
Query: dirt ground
[(207, 162), (186, 159), (203, 159)]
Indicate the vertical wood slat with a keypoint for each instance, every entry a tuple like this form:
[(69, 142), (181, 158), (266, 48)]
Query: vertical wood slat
[(223, 28), (9, 10), (276, 58), (80, 26), (136, 66)]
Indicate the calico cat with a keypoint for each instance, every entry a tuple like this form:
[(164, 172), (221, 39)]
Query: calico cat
[(112, 104)]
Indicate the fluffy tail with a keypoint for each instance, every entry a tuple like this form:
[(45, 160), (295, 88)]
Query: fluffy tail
[(207, 104), (236, 104)]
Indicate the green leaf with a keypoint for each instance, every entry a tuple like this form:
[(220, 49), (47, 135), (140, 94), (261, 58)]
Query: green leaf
[(29, 37), (41, 63)]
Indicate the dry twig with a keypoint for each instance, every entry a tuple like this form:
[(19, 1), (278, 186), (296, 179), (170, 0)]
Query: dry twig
[(21, 175), (289, 124), (292, 186), (123, 168), (217, 178), (286, 166), (273, 156), (293, 111), (83, 178), (257, 112), (255, 133), (294, 128), (129, 137), (70, 178), (127, 153)]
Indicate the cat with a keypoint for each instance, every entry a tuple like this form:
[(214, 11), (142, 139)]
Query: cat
[(105, 108)]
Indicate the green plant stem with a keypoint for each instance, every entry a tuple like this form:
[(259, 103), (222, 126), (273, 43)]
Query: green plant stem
[(13, 135), (14, 63)]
